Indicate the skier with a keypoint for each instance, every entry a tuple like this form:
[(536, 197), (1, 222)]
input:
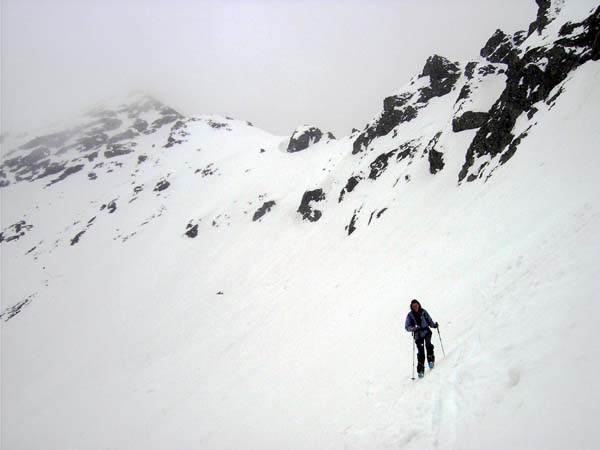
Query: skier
[(418, 322)]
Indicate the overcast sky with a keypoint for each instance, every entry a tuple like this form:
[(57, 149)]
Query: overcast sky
[(279, 64)]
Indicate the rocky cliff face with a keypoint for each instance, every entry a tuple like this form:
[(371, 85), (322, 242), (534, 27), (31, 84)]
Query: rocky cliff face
[(438, 78), (535, 74)]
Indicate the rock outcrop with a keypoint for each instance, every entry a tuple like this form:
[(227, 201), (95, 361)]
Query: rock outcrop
[(306, 205), (530, 79), (305, 136), (442, 77)]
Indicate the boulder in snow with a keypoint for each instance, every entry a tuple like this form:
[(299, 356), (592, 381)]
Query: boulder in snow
[(303, 138), (306, 209)]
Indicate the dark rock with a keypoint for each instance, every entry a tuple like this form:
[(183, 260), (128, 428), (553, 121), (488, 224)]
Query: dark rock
[(470, 69), (436, 161), (530, 79), (177, 135), (436, 158), (501, 48), (303, 138), (53, 168), (468, 121), (380, 164), (217, 125), (442, 74), (22, 225), (15, 231), (32, 158), (91, 156), (92, 142), (543, 17), (68, 172), (588, 37), (395, 112), (161, 185), (596, 47), (532, 112), (115, 150), (371, 218), (15, 309), (380, 213), (161, 122), (558, 93), (465, 91), (265, 208), (350, 185), (351, 227), (306, 210), (207, 171), (330, 135), (487, 70), (192, 230), (140, 125), (408, 150), (168, 111), (75, 240), (512, 148), (112, 206), (142, 158), (30, 164)]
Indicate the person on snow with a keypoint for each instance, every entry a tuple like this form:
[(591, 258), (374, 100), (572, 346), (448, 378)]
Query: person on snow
[(418, 322)]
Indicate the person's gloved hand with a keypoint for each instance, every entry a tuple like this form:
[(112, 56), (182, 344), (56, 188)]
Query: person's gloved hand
[(415, 328), (435, 325)]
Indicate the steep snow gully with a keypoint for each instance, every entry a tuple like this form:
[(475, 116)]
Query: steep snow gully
[(198, 283)]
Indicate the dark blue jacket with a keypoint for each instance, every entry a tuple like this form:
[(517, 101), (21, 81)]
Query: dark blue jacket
[(424, 324)]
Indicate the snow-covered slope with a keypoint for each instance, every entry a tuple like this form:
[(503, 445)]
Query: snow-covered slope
[(196, 282)]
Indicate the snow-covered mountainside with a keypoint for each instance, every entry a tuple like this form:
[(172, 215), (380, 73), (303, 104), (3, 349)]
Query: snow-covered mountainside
[(196, 282)]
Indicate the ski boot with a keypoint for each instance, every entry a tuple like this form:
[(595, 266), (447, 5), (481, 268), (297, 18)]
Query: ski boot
[(431, 364), (421, 374)]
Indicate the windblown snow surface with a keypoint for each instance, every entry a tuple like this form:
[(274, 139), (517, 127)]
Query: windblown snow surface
[(284, 333)]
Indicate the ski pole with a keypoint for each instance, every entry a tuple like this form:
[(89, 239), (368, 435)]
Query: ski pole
[(440, 336), (413, 348)]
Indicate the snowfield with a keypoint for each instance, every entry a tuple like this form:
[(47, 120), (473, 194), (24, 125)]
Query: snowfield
[(176, 321)]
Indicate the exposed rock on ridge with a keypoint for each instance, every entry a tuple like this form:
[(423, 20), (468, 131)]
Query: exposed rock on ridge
[(404, 107), (531, 78)]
